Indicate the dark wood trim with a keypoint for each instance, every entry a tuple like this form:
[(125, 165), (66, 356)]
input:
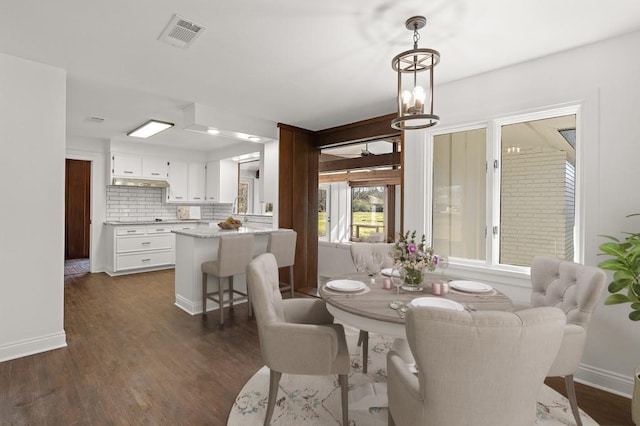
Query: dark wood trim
[(361, 176), (298, 200), (360, 131), (380, 160), (390, 216)]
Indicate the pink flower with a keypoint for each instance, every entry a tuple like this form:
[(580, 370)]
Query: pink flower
[(412, 248)]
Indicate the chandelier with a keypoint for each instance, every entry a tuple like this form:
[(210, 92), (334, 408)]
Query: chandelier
[(414, 112)]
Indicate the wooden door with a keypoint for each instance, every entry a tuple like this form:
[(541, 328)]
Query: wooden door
[(77, 209)]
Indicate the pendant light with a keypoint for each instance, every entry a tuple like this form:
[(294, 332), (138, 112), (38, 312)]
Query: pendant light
[(415, 82)]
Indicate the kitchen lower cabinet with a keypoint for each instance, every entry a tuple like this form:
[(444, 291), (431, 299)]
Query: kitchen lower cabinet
[(139, 248)]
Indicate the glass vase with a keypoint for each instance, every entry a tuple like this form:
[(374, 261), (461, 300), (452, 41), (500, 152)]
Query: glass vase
[(412, 279)]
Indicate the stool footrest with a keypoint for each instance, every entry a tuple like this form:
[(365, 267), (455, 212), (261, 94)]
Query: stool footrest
[(214, 296)]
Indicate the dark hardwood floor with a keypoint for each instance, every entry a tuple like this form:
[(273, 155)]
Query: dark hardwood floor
[(134, 358)]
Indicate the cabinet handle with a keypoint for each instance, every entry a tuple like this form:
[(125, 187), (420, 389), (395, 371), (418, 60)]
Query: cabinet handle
[(196, 198), (160, 230), (128, 171), (155, 174), (145, 243), (178, 198), (131, 231), (146, 260)]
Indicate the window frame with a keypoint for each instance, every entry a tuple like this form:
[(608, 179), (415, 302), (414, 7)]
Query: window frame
[(491, 269)]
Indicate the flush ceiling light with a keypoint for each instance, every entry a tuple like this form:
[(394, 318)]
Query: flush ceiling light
[(149, 128), (412, 93)]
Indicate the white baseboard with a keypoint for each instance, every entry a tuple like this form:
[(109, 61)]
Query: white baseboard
[(195, 308), (605, 380), (33, 346)]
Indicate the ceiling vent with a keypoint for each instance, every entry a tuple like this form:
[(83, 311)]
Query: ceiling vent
[(181, 32)]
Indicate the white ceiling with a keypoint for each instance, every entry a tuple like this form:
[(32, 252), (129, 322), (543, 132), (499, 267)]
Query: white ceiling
[(309, 64)]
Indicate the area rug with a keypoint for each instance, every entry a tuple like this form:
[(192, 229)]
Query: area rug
[(315, 400)]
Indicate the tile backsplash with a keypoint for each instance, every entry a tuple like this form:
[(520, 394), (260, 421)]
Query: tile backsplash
[(143, 204)]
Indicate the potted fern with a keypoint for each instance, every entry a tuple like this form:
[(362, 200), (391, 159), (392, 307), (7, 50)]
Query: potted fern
[(625, 288)]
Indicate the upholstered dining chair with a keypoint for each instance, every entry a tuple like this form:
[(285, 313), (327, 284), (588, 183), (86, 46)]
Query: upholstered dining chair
[(576, 289), (297, 336), (473, 368), (365, 251)]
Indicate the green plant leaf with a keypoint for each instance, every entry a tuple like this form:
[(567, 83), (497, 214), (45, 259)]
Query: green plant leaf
[(623, 275), (610, 237), (635, 305), (615, 299), (613, 249), (635, 315), (613, 265), (617, 285)]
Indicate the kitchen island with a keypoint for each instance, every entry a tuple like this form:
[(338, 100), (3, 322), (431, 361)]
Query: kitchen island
[(195, 246)]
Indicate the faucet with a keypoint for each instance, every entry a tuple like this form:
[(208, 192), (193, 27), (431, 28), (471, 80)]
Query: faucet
[(234, 209)]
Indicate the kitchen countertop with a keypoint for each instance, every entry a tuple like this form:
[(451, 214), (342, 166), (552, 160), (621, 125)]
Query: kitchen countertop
[(217, 232), (154, 222)]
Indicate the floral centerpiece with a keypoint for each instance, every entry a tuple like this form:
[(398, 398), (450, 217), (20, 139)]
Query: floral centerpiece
[(414, 258)]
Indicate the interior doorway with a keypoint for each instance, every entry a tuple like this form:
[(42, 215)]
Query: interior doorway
[(77, 210)]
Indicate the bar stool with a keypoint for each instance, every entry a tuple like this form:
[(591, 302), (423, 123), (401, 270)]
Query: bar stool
[(234, 254), (283, 247)]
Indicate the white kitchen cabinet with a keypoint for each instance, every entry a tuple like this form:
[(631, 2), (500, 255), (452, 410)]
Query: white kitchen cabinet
[(178, 191), (126, 165), (138, 248), (222, 181), (197, 183), (212, 189), (154, 168)]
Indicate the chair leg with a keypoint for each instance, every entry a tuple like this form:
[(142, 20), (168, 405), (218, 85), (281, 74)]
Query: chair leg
[(221, 298), (363, 339), (204, 296), (231, 293), (343, 379), (274, 381), (291, 280), (573, 401), (390, 421), (250, 308)]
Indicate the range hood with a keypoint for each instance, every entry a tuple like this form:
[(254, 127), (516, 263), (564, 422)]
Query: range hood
[(141, 183)]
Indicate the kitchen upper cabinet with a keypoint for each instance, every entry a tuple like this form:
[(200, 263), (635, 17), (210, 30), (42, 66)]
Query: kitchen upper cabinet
[(154, 168), (135, 166), (222, 181), (178, 191), (213, 182), (197, 182), (126, 165)]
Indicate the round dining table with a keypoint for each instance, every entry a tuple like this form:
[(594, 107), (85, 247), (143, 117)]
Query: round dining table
[(370, 309)]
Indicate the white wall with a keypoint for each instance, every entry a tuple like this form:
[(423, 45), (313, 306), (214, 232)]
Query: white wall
[(32, 124), (602, 79)]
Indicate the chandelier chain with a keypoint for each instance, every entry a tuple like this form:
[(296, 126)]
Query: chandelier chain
[(416, 36)]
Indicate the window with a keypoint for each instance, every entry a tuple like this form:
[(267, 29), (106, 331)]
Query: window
[(323, 217), (505, 200), (367, 211)]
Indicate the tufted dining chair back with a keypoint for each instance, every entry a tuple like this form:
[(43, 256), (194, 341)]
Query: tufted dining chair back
[(576, 289), (473, 368)]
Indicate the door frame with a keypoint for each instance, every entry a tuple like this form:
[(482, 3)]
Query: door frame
[(91, 159)]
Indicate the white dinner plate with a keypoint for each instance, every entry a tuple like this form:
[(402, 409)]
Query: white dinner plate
[(470, 286), (437, 302), (388, 271), (346, 285)]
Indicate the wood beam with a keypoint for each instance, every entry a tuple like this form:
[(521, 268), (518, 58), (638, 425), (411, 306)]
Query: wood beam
[(360, 131), (382, 175), (368, 161)]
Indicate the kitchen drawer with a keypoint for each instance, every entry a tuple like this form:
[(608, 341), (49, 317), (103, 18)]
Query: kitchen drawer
[(143, 260), (159, 229), (144, 242), (185, 226), (130, 230)]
